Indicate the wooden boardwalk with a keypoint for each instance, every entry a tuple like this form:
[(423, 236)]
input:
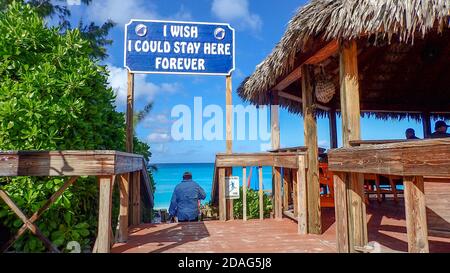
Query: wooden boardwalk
[(386, 224)]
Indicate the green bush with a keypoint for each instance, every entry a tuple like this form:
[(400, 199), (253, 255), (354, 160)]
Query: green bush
[(252, 205), (53, 96)]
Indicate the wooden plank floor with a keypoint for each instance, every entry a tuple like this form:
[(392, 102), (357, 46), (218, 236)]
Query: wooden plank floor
[(386, 224)]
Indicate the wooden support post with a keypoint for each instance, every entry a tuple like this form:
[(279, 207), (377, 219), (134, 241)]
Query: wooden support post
[(261, 193), (229, 202), (333, 129), (426, 123), (104, 214), (123, 212), (275, 137), (416, 215), (244, 193), (277, 204), (275, 121), (310, 131), (229, 136), (302, 195), (136, 198), (349, 80), (222, 200), (130, 113), (340, 201), (286, 179), (350, 109), (356, 206), (295, 191)]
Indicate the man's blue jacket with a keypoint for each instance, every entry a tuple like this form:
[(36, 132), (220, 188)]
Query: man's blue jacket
[(184, 204)]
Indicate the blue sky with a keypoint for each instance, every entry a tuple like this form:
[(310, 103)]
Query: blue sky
[(259, 25)]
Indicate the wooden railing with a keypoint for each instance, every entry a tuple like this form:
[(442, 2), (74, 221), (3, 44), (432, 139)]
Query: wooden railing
[(416, 161), (107, 166), (291, 162)]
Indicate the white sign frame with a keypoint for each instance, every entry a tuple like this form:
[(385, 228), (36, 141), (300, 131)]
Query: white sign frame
[(235, 192), (179, 73)]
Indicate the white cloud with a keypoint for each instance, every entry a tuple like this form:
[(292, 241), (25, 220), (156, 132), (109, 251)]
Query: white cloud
[(121, 11), (237, 11), (143, 90), (159, 138), (160, 148)]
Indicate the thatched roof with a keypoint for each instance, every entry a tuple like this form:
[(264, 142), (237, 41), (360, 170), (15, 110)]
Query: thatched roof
[(394, 26)]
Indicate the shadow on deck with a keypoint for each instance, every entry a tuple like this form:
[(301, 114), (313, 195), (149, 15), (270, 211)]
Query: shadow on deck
[(386, 225)]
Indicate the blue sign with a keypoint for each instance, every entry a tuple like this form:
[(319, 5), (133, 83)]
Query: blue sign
[(170, 47)]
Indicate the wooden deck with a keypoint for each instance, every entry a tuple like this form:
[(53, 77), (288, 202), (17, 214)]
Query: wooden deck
[(386, 225)]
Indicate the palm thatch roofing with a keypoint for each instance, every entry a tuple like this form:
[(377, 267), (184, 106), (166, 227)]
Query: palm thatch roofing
[(403, 57)]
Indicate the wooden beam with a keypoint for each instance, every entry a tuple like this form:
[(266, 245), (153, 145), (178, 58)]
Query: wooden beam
[(350, 109), (409, 158), (104, 214), (261, 193), (299, 100), (301, 197), (416, 214), (124, 207), (324, 53), (277, 194), (321, 55), (244, 193), (333, 129), (67, 163), (426, 123), (289, 79), (130, 113), (222, 200)]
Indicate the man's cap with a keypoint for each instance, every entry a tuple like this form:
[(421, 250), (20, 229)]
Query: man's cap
[(440, 123), (187, 174), (410, 130)]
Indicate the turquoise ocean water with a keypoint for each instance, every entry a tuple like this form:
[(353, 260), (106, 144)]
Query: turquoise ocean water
[(169, 175)]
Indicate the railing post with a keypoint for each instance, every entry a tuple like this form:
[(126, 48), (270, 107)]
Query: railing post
[(286, 177), (104, 214), (123, 213), (416, 215), (340, 201), (136, 198), (244, 193), (301, 196), (261, 194), (222, 200), (277, 194)]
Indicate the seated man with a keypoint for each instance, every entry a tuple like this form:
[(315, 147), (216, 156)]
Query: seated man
[(440, 128), (185, 197), (410, 134)]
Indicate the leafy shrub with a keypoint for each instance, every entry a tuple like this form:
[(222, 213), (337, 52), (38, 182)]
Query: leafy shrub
[(53, 96), (252, 205)]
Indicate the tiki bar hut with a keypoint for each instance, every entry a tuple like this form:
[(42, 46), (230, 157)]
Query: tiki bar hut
[(380, 58)]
